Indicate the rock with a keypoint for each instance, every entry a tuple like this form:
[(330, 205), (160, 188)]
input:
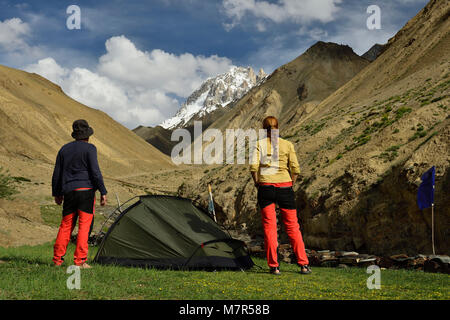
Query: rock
[(314, 260), (286, 253), (255, 249), (287, 259), (350, 253), (261, 75), (431, 266), (441, 258), (326, 257), (401, 260), (350, 260), (284, 247), (417, 262), (342, 266), (384, 262), (437, 264), (367, 262), (399, 257)]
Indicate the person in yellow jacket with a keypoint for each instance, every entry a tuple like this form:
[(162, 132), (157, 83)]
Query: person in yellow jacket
[(274, 168)]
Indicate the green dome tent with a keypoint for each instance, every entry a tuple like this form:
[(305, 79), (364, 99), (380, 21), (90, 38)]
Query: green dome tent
[(170, 232)]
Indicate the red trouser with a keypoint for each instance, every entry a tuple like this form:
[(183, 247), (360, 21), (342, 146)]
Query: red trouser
[(268, 196), (74, 203)]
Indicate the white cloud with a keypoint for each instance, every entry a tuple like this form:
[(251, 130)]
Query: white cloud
[(299, 12), (134, 87), (177, 74), (13, 42), (49, 69), (352, 28), (314, 33), (12, 33)]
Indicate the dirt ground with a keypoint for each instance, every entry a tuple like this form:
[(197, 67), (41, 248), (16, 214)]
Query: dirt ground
[(21, 224)]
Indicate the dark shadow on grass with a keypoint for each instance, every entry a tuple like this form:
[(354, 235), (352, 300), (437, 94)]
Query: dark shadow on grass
[(253, 270), (34, 261)]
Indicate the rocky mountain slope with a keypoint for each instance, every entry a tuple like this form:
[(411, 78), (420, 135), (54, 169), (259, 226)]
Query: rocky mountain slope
[(374, 52), (206, 104), (362, 149), (158, 137), (296, 88), (215, 93)]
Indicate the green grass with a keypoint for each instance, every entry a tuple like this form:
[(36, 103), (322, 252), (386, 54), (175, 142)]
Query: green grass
[(52, 214), (27, 273), (401, 112), (7, 184), (390, 154), (359, 141), (417, 135), (314, 127), (21, 179)]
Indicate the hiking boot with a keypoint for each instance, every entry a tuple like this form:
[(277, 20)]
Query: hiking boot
[(275, 271), (305, 269)]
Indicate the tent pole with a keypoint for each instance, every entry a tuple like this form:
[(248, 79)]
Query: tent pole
[(118, 202), (211, 199)]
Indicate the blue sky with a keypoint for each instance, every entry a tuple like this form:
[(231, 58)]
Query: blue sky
[(138, 60)]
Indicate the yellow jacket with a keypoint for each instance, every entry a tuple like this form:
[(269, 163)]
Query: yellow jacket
[(273, 167)]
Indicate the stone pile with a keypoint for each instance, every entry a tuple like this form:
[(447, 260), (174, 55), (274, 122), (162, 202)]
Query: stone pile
[(345, 259)]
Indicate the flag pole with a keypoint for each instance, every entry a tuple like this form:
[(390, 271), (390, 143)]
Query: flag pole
[(432, 227), (212, 202)]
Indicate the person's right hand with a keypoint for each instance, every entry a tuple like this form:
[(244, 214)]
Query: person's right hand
[(59, 200), (103, 200)]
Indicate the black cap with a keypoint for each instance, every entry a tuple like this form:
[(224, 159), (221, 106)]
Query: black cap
[(81, 130)]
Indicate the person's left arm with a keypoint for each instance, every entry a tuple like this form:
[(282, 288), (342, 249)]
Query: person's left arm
[(57, 181), (96, 174), (294, 167), (254, 165)]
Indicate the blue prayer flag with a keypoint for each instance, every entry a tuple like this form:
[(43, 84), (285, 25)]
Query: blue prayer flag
[(425, 194), (211, 205)]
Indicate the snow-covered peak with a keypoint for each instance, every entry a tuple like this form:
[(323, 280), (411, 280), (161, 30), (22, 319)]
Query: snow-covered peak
[(215, 93)]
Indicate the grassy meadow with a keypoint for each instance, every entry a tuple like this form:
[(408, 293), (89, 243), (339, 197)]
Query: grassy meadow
[(27, 273)]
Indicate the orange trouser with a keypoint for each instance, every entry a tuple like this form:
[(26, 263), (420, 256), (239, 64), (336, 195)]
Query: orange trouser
[(268, 196), (69, 220)]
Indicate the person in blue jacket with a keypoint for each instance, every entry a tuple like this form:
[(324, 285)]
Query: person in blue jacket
[(76, 178)]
